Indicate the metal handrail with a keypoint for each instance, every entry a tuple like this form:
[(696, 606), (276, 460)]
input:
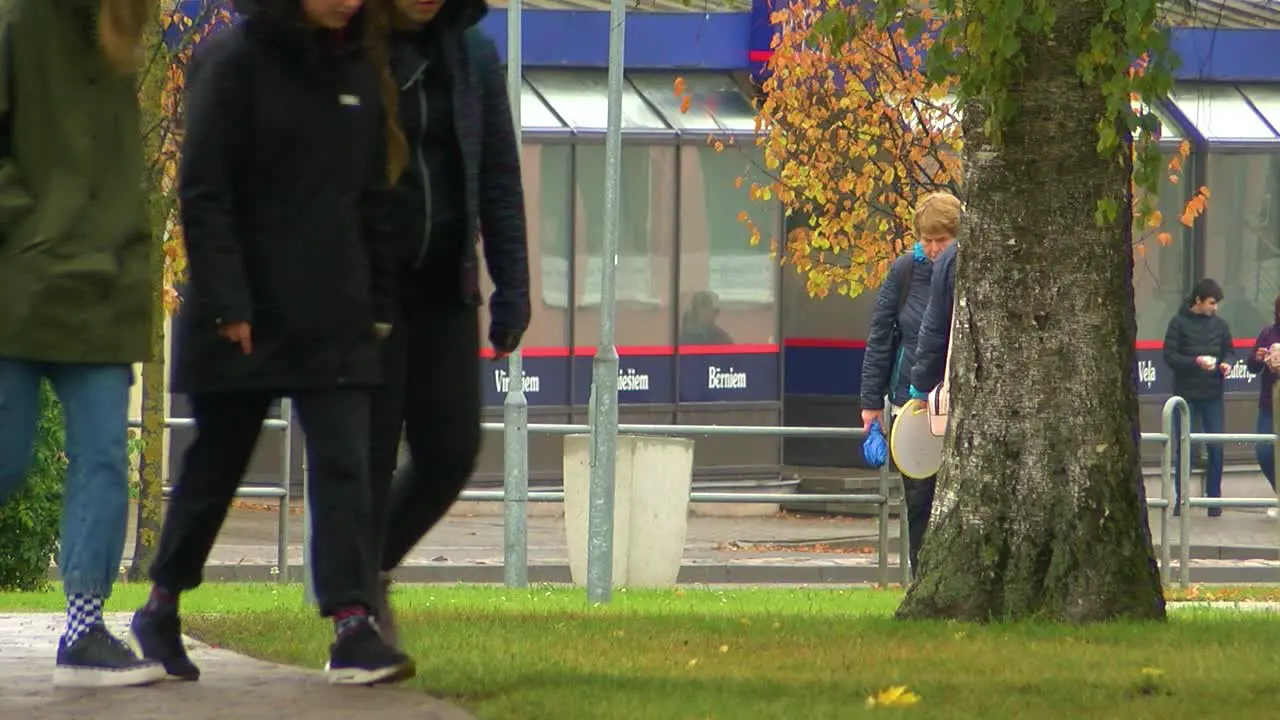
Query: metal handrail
[(281, 491), (1165, 503)]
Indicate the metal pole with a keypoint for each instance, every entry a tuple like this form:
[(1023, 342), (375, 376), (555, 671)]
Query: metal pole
[(308, 582), (515, 407), (1184, 507), (604, 367), (1275, 430), (286, 472), (1166, 490), (884, 528)]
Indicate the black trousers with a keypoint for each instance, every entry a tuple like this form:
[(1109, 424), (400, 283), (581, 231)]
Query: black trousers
[(335, 424), (918, 495), (431, 392)]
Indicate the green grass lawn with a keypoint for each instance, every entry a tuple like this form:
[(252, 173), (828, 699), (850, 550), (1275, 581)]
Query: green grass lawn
[(766, 653)]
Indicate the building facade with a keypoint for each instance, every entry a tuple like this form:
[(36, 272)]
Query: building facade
[(713, 330)]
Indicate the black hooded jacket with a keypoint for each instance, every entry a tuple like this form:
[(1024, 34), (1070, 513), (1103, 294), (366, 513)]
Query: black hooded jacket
[(463, 176), (283, 195), (1189, 336)]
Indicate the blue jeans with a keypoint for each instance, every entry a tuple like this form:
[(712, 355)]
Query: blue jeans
[(1207, 417), (95, 403), (1266, 451)]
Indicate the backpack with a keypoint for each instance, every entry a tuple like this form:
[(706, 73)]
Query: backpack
[(904, 291)]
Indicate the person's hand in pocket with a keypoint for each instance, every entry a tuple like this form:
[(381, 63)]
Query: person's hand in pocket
[(239, 333)]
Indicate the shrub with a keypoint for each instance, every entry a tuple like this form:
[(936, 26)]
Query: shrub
[(29, 520)]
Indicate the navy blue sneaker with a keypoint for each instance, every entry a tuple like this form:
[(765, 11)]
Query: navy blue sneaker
[(360, 656), (99, 659), (159, 638)]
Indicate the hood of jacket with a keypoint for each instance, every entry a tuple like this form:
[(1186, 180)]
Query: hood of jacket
[(1192, 315), (456, 16), (283, 21)]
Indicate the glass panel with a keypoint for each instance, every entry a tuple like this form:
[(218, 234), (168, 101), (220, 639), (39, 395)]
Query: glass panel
[(1161, 273), (716, 105), (1242, 237), (1220, 113), (581, 98), (1267, 99), (728, 287), (548, 206), (534, 114), (1169, 130), (646, 244)]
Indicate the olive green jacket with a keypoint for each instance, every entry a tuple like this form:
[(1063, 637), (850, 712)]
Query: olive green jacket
[(75, 247)]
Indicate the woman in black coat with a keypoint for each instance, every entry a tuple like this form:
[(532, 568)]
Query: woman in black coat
[(282, 186), (463, 178)]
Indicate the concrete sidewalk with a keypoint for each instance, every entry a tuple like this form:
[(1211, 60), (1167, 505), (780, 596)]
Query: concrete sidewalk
[(232, 686)]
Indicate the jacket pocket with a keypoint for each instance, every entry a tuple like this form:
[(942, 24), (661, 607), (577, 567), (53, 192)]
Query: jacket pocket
[(16, 202)]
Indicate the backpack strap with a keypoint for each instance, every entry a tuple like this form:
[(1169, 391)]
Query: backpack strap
[(904, 292), (904, 285)]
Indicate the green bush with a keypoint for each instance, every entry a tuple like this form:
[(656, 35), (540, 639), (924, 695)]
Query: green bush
[(29, 521)]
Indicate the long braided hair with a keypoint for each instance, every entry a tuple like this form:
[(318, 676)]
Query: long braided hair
[(378, 24)]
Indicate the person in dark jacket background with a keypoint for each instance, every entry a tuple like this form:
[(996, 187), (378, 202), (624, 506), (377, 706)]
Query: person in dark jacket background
[(891, 340), (76, 290), (1269, 337), (283, 184), (1196, 345), (463, 177)]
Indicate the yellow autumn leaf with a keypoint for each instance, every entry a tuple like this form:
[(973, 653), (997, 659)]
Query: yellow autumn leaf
[(896, 696)]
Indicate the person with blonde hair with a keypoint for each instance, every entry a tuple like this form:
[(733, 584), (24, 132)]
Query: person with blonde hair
[(891, 341), (76, 290)]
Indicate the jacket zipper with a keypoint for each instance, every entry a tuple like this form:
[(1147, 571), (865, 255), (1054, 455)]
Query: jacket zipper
[(424, 172)]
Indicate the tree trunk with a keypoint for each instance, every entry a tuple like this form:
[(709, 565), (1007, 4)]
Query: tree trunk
[(151, 466), (1041, 508)]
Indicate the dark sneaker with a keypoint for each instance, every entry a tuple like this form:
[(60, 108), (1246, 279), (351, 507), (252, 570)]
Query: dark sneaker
[(382, 614), (361, 657), (159, 638), (98, 659)]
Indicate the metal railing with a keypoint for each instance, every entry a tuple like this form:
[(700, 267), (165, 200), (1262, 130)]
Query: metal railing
[(280, 492), (516, 495)]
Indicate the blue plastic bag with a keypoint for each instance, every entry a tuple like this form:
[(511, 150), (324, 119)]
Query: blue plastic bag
[(875, 449)]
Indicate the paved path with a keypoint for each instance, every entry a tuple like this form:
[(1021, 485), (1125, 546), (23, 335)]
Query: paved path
[(233, 686)]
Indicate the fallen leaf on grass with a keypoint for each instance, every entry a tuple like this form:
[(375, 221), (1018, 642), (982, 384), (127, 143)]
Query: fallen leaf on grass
[(896, 696), (1150, 683), (724, 648)]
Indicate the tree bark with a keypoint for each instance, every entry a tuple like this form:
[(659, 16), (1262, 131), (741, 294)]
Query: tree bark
[(1040, 509), (151, 465)]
